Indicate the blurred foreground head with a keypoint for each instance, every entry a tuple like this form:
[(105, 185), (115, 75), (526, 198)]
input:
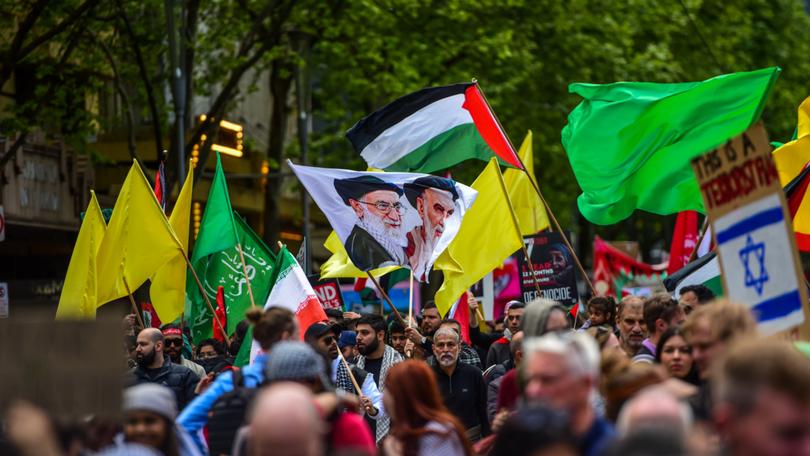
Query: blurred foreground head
[(286, 422), (272, 326), (710, 329), (762, 399)]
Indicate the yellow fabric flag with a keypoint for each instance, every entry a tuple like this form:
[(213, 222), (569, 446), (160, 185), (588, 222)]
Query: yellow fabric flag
[(489, 233), (138, 242), (168, 289), (339, 264), (529, 209), (79, 297), (792, 156)]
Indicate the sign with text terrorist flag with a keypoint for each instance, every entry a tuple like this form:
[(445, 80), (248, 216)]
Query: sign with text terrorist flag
[(630, 143), (432, 129), (389, 219), (759, 263)]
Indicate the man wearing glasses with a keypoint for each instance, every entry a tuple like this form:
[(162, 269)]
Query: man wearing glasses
[(377, 238), (174, 348)]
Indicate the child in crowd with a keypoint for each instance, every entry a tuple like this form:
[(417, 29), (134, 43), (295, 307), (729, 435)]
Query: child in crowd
[(601, 311)]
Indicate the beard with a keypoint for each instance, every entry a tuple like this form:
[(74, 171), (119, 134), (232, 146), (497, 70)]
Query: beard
[(391, 237), (446, 360), (146, 359), (370, 348), (425, 247)]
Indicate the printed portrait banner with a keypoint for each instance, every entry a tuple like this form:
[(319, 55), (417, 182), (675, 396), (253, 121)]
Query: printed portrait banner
[(328, 291), (759, 263), (553, 266), (386, 219)]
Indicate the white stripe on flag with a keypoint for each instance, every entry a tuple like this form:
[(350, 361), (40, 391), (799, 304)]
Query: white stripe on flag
[(416, 130)]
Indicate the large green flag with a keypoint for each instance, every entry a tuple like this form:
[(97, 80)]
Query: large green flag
[(225, 268), (217, 229), (630, 143)]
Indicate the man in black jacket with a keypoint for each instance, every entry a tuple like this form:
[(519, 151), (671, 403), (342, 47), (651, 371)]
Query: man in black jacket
[(462, 385), (154, 366)]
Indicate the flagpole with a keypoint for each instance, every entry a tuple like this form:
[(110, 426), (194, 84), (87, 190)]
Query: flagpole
[(410, 300), (537, 189), (387, 299), (351, 376), (700, 240), (244, 271), (204, 294), (134, 305)]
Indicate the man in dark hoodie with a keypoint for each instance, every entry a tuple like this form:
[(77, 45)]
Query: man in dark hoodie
[(154, 366)]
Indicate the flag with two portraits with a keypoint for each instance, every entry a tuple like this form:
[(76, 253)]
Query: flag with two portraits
[(389, 219)]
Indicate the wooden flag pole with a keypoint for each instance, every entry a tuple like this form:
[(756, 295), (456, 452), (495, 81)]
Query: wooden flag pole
[(204, 294), (537, 189), (410, 301), (244, 271), (351, 376), (134, 305), (387, 299)]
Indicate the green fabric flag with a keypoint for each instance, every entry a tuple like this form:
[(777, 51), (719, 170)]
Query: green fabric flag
[(630, 143), (243, 357), (217, 229), (225, 268)]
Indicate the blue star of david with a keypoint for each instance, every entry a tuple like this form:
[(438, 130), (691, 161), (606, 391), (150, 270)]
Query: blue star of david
[(758, 250)]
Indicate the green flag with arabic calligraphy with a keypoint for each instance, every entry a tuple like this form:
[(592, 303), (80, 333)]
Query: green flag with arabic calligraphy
[(225, 268)]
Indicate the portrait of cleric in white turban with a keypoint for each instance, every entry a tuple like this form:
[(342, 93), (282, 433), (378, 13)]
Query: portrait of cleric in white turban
[(434, 199), (378, 237)]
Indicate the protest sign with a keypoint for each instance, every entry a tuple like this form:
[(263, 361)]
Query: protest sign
[(328, 292), (553, 267), (47, 362), (759, 263)]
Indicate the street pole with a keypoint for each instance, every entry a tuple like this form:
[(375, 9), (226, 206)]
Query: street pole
[(302, 93)]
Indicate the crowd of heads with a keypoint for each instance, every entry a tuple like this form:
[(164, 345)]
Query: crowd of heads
[(639, 375)]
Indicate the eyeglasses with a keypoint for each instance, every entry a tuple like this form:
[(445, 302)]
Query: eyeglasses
[(384, 206), (329, 340), (175, 342)]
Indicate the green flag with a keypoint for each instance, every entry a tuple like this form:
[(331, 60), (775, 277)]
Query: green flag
[(630, 143), (217, 229), (243, 357), (225, 268)]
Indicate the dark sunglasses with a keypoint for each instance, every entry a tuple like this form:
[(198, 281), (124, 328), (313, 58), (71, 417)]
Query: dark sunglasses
[(175, 342), (329, 340)]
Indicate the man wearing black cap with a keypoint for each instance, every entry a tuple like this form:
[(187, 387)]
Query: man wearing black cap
[(377, 238), (434, 200)]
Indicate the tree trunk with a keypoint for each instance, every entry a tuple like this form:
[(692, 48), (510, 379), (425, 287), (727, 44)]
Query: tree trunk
[(280, 83)]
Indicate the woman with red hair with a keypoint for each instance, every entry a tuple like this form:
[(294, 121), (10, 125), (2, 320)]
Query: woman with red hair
[(420, 423)]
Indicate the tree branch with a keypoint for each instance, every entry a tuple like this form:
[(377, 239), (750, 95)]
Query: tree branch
[(130, 116)]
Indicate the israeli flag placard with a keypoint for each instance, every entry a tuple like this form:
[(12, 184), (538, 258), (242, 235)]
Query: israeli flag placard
[(756, 257)]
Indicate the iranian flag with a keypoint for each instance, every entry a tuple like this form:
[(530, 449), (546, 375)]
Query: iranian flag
[(431, 130), (292, 290)]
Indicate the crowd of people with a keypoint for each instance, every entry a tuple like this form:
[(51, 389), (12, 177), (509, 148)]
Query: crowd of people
[(650, 375)]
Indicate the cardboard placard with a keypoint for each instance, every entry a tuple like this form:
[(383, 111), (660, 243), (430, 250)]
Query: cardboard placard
[(751, 226), (70, 368), (553, 267), (328, 291)]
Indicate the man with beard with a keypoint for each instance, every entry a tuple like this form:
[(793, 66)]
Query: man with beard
[(430, 323), (155, 367), (377, 238), (376, 358), (434, 200), (631, 323), (461, 385), (322, 338), (173, 345)]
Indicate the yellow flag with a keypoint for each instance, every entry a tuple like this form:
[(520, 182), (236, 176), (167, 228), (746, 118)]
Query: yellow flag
[(78, 299), (138, 242), (529, 209), (168, 289), (792, 156), (339, 264), (489, 233)]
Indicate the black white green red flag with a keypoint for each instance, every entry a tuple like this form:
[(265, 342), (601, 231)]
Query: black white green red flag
[(432, 129)]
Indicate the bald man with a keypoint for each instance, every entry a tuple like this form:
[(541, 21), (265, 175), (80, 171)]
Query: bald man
[(286, 422), (155, 366)]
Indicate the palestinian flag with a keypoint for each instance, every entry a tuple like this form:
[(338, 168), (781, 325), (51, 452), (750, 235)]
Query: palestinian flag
[(703, 271), (431, 130)]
